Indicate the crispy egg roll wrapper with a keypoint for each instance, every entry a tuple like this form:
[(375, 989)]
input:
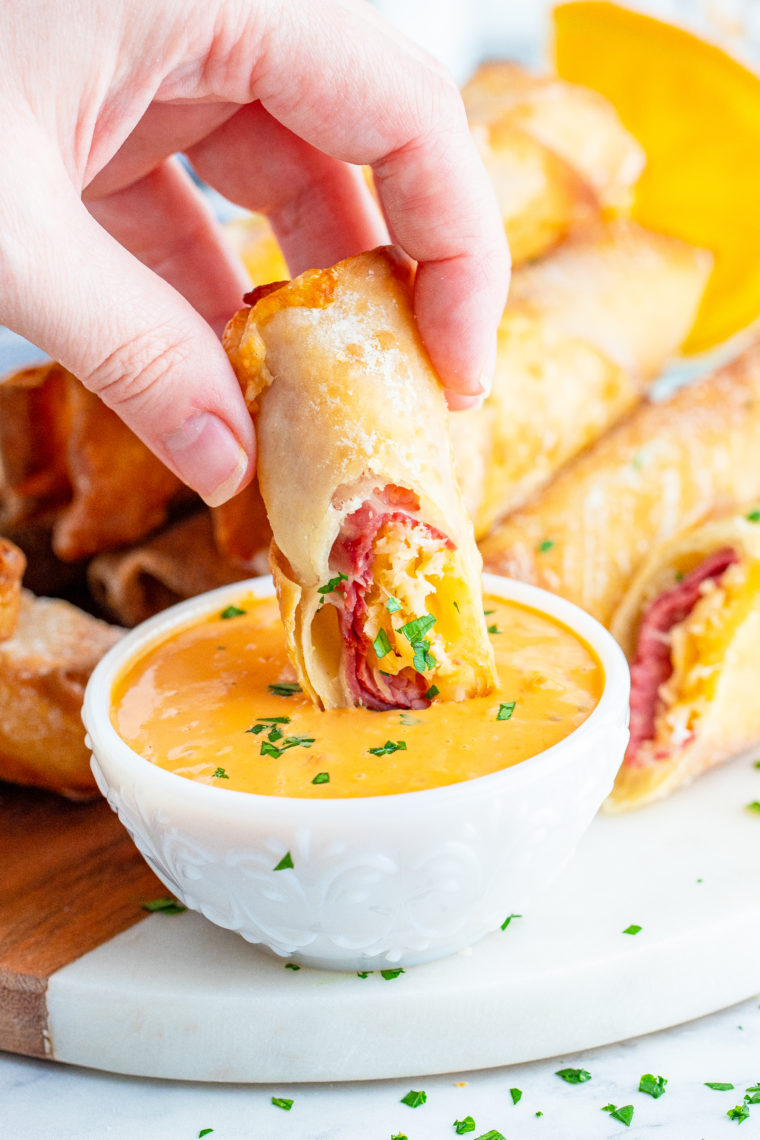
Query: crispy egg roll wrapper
[(356, 472), (242, 533), (179, 562), (584, 331), (661, 469), (33, 431), (690, 624), (44, 667), (12, 566)]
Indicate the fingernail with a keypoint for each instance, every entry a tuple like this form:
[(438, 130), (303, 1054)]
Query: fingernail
[(206, 455)]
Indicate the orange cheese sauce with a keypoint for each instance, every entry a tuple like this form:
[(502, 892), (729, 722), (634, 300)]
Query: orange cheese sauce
[(196, 702)]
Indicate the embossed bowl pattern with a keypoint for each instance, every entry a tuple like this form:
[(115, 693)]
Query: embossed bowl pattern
[(378, 881)]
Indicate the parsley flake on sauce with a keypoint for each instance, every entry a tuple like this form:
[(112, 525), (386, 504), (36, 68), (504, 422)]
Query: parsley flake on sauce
[(719, 1086), (407, 718), (321, 778), (389, 747), (508, 919), (282, 1102), (432, 692), (547, 544), (164, 906), (393, 605), (624, 1114), (634, 928), (754, 516), (220, 774), (506, 708), (738, 1113), (654, 1086), (268, 748), (284, 688), (381, 644), (463, 1126), (573, 1076), (332, 586), (231, 612), (414, 1098), (493, 629), (285, 863), (516, 1095)]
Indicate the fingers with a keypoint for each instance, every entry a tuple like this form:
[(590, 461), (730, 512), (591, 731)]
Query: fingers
[(126, 333), (165, 222)]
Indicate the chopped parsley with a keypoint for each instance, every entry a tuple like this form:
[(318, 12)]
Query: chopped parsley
[(487, 613), (624, 1114), (754, 1089), (389, 975), (506, 708), (414, 1098), (407, 718), (634, 928), (547, 544), (363, 973), (284, 688), (231, 612), (220, 774), (508, 919), (414, 630), (456, 607), (432, 692), (754, 806), (381, 644), (321, 778), (492, 1134), (393, 605), (573, 1076), (389, 747), (754, 516), (165, 905), (282, 1102), (285, 862), (751, 1097), (205, 1132), (719, 1086), (516, 1095), (738, 1113), (269, 748), (332, 586), (463, 1126), (493, 629), (291, 966), (399, 1136), (654, 1086)]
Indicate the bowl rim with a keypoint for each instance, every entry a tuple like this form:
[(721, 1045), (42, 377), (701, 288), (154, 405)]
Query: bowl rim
[(102, 735)]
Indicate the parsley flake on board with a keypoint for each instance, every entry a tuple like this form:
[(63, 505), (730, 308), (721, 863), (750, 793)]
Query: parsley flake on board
[(516, 1095), (393, 605), (389, 975), (205, 1132), (414, 1098), (321, 778), (754, 806), (738, 1113), (220, 774), (654, 1086), (164, 906), (381, 645), (389, 747), (624, 1114), (284, 688), (399, 1136), (634, 928), (231, 612), (285, 863), (332, 586), (573, 1076), (291, 966), (461, 1127), (754, 1098), (491, 1134), (507, 921), (506, 708), (283, 1102), (363, 973), (719, 1086)]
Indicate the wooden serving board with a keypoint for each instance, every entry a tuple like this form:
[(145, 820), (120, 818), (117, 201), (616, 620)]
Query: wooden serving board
[(70, 880)]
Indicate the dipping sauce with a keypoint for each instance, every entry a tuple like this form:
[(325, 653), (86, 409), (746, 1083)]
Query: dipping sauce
[(217, 702)]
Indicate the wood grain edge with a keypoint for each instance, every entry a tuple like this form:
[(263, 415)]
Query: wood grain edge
[(23, 1014)]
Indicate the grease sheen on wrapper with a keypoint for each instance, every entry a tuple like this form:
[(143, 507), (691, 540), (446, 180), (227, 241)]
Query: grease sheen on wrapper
[(355, 468)]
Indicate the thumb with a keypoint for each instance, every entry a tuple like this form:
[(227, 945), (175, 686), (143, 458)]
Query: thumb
[(76, 293)]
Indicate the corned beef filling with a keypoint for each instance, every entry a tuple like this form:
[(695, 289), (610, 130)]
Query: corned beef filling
[(652, 664), (352, 555)]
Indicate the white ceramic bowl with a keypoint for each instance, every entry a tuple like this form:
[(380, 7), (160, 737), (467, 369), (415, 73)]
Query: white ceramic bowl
[(378, 881)]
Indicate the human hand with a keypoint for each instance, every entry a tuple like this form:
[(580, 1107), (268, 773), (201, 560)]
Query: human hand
[(276, 103)]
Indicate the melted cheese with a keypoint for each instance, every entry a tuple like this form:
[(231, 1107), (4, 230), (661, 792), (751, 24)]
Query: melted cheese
[(189, 703)]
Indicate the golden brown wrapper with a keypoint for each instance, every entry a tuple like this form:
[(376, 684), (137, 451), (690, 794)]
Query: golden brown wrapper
[(44, 667), (347, 406), (12, 565), (177, 563), (584, 331), (707, 709), (241, 529), (662, 468)]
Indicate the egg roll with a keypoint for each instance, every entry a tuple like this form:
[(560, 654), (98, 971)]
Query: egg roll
[(584, 332), (242, 533), (12, 565), (660, 470), (44, 666), (373, 556), (690, 626)]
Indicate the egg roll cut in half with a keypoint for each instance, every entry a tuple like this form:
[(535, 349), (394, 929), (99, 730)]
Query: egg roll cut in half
[(690, 625), (373, 555), (585, 330), (660, 470)]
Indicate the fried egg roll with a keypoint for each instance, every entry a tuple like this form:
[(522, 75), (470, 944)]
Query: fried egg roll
[(690, 626), (661, 469), (373, 555), (584, 331), (12, 565)]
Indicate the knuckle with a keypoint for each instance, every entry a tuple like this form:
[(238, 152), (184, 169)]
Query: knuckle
[(135, 374)]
